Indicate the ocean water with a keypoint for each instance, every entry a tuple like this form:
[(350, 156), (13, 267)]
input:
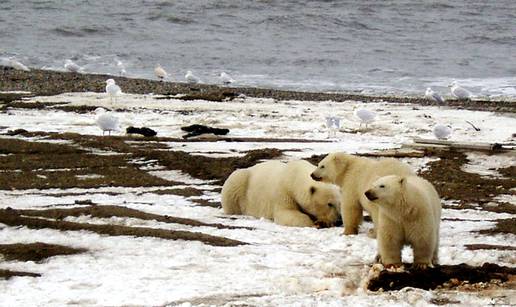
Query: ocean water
[(380, 47)]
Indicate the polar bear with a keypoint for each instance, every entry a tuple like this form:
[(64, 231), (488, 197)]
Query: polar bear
[(354, 175), (409, 213), (282, 192)]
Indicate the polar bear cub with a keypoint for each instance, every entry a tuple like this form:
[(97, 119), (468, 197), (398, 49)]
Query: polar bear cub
[(354, 175), (409, 214), (282, 192)]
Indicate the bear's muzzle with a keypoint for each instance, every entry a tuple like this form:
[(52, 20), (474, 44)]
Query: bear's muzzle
[(315, 177), (370, 195)]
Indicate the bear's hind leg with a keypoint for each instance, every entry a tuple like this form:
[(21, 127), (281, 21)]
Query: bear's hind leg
[(351, 212), (234, 192)]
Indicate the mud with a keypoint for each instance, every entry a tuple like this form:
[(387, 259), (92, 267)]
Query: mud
[(12, 218), (6, 274), (445, 276), (489, 247), (108, 211), (36, 251)]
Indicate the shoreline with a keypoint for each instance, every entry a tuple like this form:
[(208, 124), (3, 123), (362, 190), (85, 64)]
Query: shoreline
[(48, 83)]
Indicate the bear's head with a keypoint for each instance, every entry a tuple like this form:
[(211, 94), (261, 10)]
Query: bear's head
[(323, 203), (331, 167), (386, 190)]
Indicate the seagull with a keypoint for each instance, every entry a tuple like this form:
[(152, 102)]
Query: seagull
[(366, 117), (430, 94), (106, 121), (121, 68), (225, 78), (191, 78), (459, 92), (160, 72), (333, 124), (112, 89), (71, 66), (442, 132), (16, 64)]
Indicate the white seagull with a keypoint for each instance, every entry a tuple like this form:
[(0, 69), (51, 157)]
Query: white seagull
[(160, 72), (71, 66), (430, 94), (191, 78), (225, 78), (459, 92), (112, 89), (106, 121), (366, 117), (121, 68), (12, 62), (442, 132)]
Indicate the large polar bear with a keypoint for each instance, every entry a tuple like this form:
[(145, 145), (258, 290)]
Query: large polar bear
[(282, 192), (354, 175), (409, 213)]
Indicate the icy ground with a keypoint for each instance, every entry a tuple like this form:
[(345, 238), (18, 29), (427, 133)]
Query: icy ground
[(281, 266)]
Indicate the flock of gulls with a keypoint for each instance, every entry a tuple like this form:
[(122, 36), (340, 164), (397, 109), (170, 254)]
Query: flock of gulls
[(107, 122)]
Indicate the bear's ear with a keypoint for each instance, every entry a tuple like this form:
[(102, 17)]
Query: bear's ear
[(312, 190), (402, 180)]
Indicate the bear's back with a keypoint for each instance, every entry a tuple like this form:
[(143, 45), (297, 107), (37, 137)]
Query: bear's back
[(391, 166), (264, 187)]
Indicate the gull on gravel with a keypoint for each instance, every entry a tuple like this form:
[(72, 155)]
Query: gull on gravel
[(442, 132), (106, 121), (112, 89), (71, 66), (459, 92), (365, 116), (225, 78), (160, 72), (191, 78), (121, 68), (12, 62), (430, 94)]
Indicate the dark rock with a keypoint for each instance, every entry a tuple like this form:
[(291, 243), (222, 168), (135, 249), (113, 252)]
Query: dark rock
[(195, 130), (147, 132), (16, 132)]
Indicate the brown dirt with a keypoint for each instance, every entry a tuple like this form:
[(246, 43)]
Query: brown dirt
[(6, 274), (453, 183), (11, 217), (502, 226), (444, 276), (43, 82), (36, 251), (110, 211), (489, 247)]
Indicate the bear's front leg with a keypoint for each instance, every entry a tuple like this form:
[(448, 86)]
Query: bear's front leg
[(390, 242), (423, 253), (292, 217)]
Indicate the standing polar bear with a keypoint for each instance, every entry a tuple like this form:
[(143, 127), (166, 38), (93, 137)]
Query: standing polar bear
[(409, 213), (283, 192), (354, 175)]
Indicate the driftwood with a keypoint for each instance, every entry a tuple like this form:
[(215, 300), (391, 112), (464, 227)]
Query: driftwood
[(430, 143), (444, 275), (396, 153)]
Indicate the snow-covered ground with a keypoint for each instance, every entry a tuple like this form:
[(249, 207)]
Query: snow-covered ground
[(280, 266)]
